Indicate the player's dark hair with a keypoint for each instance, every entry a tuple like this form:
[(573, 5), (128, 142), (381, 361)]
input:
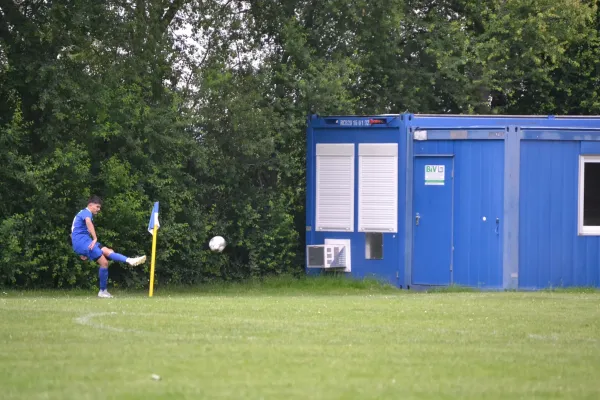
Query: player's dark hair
[(95, 199)]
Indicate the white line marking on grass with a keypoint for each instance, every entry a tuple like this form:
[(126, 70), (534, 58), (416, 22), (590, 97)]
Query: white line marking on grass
[(87, 321), (553, 337)]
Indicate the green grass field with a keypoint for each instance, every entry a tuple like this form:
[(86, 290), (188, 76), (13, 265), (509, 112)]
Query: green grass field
[(308, 340)]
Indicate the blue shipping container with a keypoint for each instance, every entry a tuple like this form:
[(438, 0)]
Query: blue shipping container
[(494, 202)]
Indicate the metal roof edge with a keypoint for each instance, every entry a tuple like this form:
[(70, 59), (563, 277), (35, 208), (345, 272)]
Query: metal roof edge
[(507, 116)]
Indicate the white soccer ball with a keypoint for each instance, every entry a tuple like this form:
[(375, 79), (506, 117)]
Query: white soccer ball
[(217, 244)]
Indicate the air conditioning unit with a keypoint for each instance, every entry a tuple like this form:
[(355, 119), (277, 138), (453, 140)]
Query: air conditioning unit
[(326, 256)]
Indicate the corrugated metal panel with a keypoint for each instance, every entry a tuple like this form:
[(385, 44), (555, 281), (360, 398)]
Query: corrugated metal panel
[(478, 194), (335, 187), (378, 187), (551, 252), (434, 147)]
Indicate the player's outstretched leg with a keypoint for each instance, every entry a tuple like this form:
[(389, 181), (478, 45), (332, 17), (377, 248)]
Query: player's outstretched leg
[(111, 255)]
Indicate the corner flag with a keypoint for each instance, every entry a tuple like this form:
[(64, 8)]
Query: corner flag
[(153, 226), (153, 219)]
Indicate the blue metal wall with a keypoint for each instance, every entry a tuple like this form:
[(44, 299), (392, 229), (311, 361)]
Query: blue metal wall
[(548, 214), (479, 193), (477, 146), (327, 130), (552, 254)]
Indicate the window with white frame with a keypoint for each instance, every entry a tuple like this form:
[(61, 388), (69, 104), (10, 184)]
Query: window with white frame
[(378, 187), (335, 187), (589, 195)]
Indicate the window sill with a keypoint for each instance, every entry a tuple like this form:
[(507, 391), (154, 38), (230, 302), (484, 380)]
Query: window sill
[(589, 231)]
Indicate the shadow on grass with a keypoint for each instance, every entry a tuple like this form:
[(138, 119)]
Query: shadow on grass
[(452, 289), (577, 289), (272, 285), (276, 286), (288, 284)]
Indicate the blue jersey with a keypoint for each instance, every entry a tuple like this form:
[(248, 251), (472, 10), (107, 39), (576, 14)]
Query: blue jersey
[(79, 229)]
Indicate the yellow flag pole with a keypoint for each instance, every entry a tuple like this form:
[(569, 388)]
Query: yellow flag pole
[(155, 231)]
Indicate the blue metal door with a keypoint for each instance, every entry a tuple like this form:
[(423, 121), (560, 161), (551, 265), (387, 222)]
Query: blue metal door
[(432, 221)]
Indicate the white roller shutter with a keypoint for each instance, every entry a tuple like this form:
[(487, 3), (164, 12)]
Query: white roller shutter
[(335, 187), (378, 187)]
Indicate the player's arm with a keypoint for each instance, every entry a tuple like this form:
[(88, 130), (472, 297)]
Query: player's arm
[(91, 230)]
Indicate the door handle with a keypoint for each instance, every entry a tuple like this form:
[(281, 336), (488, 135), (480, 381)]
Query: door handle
[(417, 218)]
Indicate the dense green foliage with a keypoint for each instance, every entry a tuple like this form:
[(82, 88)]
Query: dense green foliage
[(201, 105)]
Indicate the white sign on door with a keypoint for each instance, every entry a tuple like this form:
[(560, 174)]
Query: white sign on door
[(434, 175)]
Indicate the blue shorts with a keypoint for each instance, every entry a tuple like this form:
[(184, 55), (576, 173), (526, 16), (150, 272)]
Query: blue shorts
[(81, 247)]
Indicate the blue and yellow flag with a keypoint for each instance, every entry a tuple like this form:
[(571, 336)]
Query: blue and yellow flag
[(153, 219)]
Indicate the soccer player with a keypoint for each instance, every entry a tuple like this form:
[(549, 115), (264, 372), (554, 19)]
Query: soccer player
[(85, 243)]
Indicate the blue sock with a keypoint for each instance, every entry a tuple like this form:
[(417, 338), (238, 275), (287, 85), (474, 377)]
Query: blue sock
[(103, 274), (117, 257)]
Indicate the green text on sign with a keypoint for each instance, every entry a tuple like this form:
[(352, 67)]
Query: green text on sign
[(435, 175)]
